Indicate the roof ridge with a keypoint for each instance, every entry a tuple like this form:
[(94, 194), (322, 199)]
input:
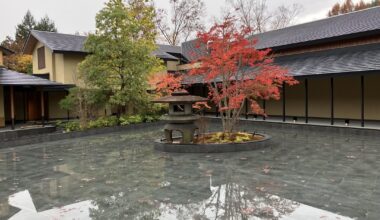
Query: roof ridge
[(50, 32), (309, 22), (318, 20)]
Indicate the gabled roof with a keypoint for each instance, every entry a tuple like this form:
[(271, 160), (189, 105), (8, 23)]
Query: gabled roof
[(347, 26), (6, 51), (166, 51), (56, 42), (9, 77), (74, 43)]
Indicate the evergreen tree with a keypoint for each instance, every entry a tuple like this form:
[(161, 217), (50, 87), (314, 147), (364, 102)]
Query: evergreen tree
[(46, 24), (23, 29)]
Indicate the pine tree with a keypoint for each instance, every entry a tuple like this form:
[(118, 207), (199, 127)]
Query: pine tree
[(23, 29), (46, 24)]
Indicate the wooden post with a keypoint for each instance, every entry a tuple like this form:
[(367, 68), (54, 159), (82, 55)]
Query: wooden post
[(24, 100), (12, 107), (42, 108), (68, 111), (306, 101), (246, 108), (264, 107), (332, 100), (362, 98), (283, 103)]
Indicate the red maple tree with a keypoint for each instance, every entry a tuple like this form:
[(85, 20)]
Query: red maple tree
[(235, 71)]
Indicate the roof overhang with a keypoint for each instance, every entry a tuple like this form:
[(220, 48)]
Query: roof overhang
[(6, 51), (12, 78), (326, 40), (29, 44)]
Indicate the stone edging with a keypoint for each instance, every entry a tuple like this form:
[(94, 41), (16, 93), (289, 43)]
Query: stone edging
[(26, 140), (307, 128), (213, 148)]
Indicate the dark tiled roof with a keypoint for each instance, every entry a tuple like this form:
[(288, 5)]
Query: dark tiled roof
[(74, 43), (166, 51), (344, 60), (9, 77), (61, 42), (6, 51), (342, 26), (358, 59)]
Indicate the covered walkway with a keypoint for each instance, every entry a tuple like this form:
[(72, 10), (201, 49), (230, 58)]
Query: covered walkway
[(25, 97)]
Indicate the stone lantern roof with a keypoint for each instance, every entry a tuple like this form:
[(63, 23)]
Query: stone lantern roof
[(181, 96)]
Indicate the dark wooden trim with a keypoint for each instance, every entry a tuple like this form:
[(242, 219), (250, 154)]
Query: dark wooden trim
[(42, 108), (306, 101), (362, 101), (332, 100), (264, 107), (25, 103), (283, 103), (41, 58)]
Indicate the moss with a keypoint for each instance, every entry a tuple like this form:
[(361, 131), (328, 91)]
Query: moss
[(223, 138)]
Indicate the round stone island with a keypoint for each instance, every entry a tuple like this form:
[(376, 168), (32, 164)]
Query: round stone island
[(181, 118)]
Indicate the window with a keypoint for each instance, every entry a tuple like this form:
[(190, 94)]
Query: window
[(41, 57), (179, 108)]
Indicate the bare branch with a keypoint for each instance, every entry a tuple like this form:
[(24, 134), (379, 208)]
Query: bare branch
[(185, 21)]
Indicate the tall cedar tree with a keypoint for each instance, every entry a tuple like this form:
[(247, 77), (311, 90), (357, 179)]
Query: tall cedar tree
[(18, 61), (235, 71), (348, 6), (120, 53)]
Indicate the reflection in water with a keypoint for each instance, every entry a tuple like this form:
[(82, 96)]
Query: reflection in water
[(120, 176), (228, 201), (23, 201)]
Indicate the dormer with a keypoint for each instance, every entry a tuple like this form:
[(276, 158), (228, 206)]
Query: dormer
[(55, 55)]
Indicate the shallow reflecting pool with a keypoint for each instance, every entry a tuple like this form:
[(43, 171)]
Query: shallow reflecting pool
[(120, 176)]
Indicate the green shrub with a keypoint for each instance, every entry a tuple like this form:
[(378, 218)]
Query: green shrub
[(71, 126), (131, 119), (108, 121), (103, 122)]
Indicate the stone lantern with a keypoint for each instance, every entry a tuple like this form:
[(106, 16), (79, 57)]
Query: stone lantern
[(180, 117)]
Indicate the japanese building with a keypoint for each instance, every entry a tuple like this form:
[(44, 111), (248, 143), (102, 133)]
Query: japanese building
[(336, 60)]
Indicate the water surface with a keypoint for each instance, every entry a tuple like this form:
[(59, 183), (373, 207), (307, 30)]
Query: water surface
[(120, 176)]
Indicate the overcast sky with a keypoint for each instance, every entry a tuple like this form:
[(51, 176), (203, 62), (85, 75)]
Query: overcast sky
[(72, 16)]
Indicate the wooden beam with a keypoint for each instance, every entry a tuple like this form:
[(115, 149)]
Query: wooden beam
[(332, 100), (12, 107), (362, 101), (306, 101), (42, 108)]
